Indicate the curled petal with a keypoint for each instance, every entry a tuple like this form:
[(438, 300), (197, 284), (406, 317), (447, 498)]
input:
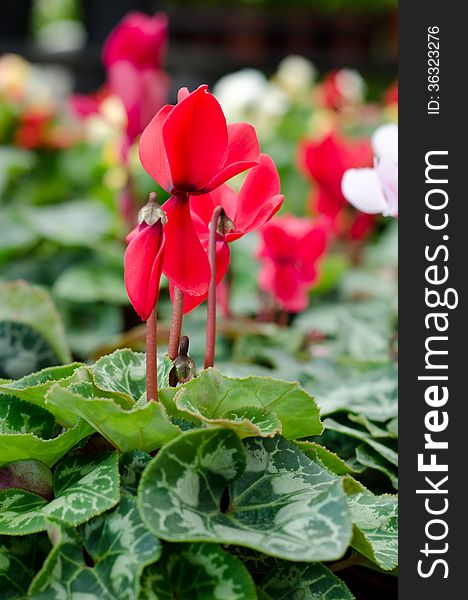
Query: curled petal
[(186, 264), (152, 152), (143, 266), (196, 141), (259, 197), (243, 153)]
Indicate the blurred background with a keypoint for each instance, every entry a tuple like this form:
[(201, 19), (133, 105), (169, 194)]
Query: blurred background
[(315, 78), (209, 38)]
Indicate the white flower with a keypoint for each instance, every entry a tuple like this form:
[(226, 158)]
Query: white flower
[(376, 190), (247, 95), (350, 85), (295, 75)]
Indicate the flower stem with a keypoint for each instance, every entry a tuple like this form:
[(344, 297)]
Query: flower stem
[(152, 357), (176, 324), (211, 313)]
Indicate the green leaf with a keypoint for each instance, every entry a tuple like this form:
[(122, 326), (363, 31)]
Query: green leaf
[(32, 306), (120, 546), (131, 466), (372, 394), (124, 372), (20, 559), (76, 223), (33, 388), (375, 521), (198, 572), (84, 486), (15, 237), (26, 433), (329, 459), (373, 460), (246, 421), (143, 427), (374, 430), (23, 350), (265, 494), (212, 396), (91, 282), (17, 416), (289, 581), (388, 453)]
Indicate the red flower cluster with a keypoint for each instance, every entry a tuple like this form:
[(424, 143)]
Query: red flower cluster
[(290, 253), (324, 162), (191, 152), (133, 55)]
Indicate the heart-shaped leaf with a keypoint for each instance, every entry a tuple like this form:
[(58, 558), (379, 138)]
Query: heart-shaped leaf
[(144, 427), (84, 487), (211, 396), (124, 372), (120, 546), (265, 494), (198, 572)]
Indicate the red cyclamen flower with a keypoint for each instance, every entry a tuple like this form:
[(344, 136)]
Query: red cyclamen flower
[(258, 200), (189, 149), (133, 55), (138, 39), (290, 251), (144, 260), (325, 162)]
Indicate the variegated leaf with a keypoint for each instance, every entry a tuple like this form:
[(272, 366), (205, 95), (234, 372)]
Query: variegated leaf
[(265, 494)]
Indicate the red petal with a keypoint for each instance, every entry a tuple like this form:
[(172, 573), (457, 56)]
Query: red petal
[(186, 264), (152, 152), (196, 141), (223, 258), (243, 153), (203, 204), (312, 247), (259, 198), (143, 267)]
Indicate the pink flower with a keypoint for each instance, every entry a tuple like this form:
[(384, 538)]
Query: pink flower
[(142, 92), (133, 55), (189, 149), (290, 253), (376, 190), (139, 39)]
